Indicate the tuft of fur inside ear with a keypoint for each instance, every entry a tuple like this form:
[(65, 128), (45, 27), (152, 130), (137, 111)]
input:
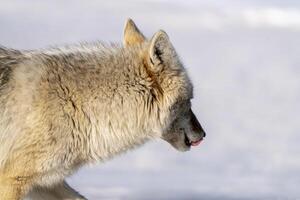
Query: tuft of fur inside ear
[(161, 51), (132, 35)]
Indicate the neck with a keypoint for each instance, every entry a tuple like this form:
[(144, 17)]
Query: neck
[(121, 117)]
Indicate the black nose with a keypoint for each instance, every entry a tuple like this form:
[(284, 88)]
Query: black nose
[(203, 133), (196, 126)]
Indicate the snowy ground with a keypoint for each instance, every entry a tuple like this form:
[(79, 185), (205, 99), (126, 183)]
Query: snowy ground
[(243, 57)]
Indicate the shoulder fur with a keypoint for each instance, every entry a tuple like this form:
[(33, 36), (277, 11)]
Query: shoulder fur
[(8, 58)]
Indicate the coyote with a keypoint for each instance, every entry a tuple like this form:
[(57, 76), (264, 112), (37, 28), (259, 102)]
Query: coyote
[(64, 107)]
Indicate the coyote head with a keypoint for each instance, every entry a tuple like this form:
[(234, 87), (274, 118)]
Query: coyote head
[(172, 88)]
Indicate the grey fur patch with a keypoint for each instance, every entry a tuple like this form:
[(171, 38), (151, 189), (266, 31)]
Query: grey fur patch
[(8, 59)]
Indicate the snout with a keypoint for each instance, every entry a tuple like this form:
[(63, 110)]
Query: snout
[(184, 132), (193, 140), (197, 133), (196, 126)]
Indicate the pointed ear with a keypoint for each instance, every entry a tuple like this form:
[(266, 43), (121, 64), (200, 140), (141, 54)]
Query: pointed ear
[(161, 50), (132, 34)]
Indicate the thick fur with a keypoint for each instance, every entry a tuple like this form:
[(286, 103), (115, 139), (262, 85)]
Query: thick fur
[(65, 107)]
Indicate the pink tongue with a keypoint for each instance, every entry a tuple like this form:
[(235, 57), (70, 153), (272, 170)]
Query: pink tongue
[(196, 143)]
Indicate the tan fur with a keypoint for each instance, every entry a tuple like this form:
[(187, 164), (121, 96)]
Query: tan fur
[(65, 107), (132, 35)]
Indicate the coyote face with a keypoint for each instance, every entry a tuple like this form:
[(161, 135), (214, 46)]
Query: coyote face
[(183, 129)]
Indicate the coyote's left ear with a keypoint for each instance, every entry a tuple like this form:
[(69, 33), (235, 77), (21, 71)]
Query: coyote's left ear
[(161, 51), (132, 34)]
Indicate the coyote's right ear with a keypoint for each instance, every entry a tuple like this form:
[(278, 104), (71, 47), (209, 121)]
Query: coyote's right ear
[(161, 51), (132, 34)]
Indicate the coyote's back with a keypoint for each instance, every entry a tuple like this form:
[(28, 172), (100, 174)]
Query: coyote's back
[(8, 59)]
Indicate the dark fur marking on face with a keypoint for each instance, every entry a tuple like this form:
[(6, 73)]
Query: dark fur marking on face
[(186, 140)]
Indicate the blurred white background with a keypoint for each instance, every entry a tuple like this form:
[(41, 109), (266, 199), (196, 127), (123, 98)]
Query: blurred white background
[(243, 57)]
